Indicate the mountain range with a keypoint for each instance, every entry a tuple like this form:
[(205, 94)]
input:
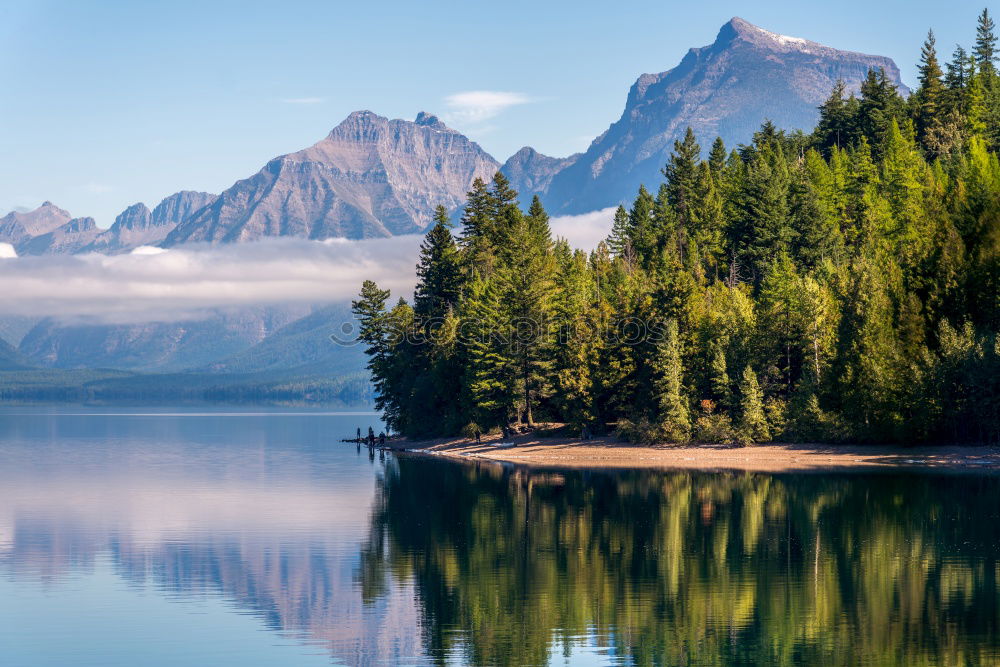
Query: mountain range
[(373, 177), (727, 89)]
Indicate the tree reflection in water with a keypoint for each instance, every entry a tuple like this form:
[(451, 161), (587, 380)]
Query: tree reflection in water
[(692, 568)]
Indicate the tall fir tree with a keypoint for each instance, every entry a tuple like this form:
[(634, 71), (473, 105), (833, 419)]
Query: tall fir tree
[(931, 94), (752, 426), (438, 271), (674, 412)]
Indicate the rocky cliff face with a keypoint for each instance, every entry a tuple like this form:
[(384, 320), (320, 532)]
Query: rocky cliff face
[(531, 173), (179, 207), (375, 177), (726, 89), (66, 239), (138, 226), (370, 177), (17, 227)]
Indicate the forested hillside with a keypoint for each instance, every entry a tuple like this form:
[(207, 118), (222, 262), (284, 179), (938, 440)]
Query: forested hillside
[(843, 285)]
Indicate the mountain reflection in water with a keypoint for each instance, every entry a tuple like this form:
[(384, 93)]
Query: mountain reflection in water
[(416, 560)]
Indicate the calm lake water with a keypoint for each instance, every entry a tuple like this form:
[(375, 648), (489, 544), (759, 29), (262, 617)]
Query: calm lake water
[(140, 537)]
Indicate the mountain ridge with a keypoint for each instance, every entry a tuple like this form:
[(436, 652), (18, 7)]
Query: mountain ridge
[(717, 91), (370, 177)]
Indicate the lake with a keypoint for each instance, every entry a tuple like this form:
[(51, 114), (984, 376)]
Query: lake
[(185, 537)]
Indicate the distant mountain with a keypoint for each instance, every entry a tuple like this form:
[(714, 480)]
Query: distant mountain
[(155, 346), (726, 89), (375, 177), (303, 346), (10, 358), (137, 225), (63, 240), (531, 173), (370, 177), (19, 226), (254, 355), (49, 230)]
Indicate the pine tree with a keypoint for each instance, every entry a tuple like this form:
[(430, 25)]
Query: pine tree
[(752, 426), (572, 350), (681, 173), (837, 121), (721, 385), (880, 104), (438, 271), (974, 103), (675, 415), (717, 157), (985, 49), (930, 96), (477, 229), (375, 334), (709, 225), (642, 231), (527, 276), (618, 241), (985, 55), (780, 318), (761, 229), (504, 209), (902, 178), (492, 371), (956, 79), (868, 364), (816, 233)]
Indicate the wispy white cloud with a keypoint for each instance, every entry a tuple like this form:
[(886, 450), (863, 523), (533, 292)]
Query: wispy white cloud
[(187, 282), (476, 106), (586, 230), (162, 285), (303, 100)]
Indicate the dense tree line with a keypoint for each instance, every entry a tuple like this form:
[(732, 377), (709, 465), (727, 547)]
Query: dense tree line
[(838, 285)]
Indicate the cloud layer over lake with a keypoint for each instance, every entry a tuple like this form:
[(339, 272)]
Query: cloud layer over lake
[(153, 284)]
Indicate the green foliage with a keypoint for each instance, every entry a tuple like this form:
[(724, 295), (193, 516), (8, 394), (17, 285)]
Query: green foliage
[(752, 426), (843, 285), (675, 417)]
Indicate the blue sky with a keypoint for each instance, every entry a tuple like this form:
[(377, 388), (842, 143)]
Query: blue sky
[(106, 103)]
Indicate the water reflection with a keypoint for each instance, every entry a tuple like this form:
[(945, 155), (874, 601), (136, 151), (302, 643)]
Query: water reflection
[(266, 513), (688, 568), (417, 560)]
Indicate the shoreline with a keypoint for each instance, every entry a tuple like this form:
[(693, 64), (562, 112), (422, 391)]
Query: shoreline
[(608, 453)]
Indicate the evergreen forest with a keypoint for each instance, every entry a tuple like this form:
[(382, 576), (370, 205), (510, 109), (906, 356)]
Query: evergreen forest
[(842, 285)]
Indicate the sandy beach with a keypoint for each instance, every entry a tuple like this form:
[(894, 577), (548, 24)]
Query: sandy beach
[(607, 452)]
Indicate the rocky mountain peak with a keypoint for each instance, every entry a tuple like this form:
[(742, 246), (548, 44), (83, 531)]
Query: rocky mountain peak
[(740, 30), (65, 239), (18, 226), (370, 177), (726, 89), (531, 172), (180, 206), (136, 216), (79, 225), (430, 120), (356, 124)]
